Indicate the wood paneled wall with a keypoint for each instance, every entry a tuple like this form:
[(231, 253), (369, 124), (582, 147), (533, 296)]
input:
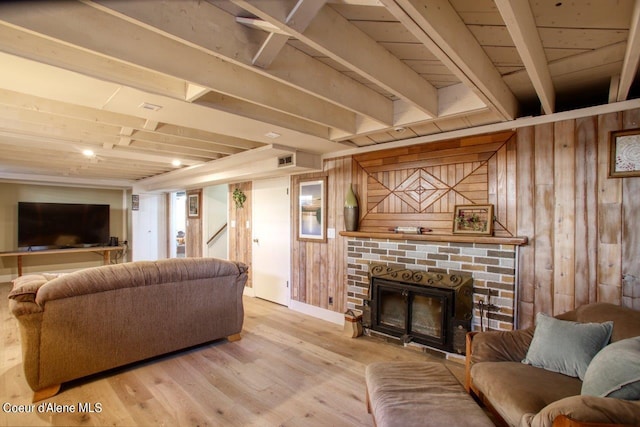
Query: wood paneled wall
[(194, 228), (583, 227), (319, 270), (240, 228)]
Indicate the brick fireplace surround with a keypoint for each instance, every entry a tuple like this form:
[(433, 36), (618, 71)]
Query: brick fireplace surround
[(493, 267)]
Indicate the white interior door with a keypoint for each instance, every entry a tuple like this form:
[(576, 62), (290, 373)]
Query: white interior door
[(148, 226), (271, 257)]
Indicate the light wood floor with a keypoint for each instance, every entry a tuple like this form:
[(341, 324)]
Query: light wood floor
[(287, 370)]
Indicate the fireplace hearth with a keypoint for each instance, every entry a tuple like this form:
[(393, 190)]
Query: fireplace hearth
[(433, 309)]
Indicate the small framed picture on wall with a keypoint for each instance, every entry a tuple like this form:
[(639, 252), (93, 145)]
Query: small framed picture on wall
[(193, 205), (312, 210), (624, 153), (473, 220)]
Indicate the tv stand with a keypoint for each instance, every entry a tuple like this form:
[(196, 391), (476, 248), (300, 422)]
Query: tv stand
[(104, 250)]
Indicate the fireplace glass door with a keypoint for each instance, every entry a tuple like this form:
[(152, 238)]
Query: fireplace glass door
[(393, 308), (412, 312), (426, 318)]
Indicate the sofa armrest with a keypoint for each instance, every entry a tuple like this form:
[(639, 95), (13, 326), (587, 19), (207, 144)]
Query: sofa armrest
[(587, 410), (500, 346), (23, 294), (494, 346)]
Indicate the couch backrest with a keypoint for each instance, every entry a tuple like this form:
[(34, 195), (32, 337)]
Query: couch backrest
[(626, 322), (41, 288)]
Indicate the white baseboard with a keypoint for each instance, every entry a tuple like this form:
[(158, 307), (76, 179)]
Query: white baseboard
[(318, 312), (249, 292)]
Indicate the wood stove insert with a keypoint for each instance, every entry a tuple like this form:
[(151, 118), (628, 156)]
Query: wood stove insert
[(434, 309)]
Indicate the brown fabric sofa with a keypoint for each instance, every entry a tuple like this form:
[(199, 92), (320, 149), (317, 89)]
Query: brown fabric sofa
[(100, 318), (524, 395)]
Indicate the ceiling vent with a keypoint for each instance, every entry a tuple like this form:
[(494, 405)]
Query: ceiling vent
[(149, 106), (284, 161)]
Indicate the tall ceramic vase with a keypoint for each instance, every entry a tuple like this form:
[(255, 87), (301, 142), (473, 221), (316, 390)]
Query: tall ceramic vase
[(351, 211)]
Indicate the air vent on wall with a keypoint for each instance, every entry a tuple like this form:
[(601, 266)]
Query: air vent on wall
[(285, 161)]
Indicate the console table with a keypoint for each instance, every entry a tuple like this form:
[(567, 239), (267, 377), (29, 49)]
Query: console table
[(104, 250)]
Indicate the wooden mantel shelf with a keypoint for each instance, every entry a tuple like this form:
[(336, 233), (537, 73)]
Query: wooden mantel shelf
[(449, 238)]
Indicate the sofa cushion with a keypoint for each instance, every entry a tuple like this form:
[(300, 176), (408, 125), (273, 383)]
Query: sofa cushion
[(615, 371), (514, 388), (626, 322), (564, 346)]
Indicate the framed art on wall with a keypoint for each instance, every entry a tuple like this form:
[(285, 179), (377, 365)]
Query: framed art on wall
[(193, 205), (312, 210), (624, 153), (473, 219)]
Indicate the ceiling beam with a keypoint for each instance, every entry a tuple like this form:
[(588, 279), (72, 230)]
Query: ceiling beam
[(106, 99), (614, 84), (190, 22), (181, 142), (39, 110), (437, 25), (60, 161), (521, 25), (571, 72), (631, 56), (26, 44), (269, 50), (299, 17), (155, 52), (37, 140), (194, 92), (334, 36), (232, 105), (208, 137), (303, 13), (57, 108)]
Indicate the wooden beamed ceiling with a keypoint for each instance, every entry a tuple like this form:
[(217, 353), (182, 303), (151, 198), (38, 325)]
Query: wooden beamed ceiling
[(143, 83)]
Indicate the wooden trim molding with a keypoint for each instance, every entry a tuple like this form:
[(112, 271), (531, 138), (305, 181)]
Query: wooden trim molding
[(449, 238)]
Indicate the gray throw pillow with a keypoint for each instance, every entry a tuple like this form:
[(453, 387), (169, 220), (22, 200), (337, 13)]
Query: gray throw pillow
[(564, 346), (615, 371)]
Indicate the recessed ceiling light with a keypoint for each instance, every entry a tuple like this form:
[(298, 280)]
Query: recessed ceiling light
[(88, 153), (149, 106), (176, 163), (272, 135)]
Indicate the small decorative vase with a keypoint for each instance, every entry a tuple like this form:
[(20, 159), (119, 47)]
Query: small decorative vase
[(351, 210)]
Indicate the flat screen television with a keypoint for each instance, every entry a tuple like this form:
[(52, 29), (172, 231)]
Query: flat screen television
[(61, 225)]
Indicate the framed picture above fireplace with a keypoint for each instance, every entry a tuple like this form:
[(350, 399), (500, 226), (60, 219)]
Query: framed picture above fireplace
[(312, 210), (473, 219)]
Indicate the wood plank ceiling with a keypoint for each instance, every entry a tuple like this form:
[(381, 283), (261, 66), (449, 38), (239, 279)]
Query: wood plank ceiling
[(142, 83)]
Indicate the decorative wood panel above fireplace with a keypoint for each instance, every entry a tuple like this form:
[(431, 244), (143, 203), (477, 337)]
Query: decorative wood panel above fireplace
[(420, 185), (434, 309)]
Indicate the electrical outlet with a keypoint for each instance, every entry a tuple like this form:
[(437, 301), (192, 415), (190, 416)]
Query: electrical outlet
[(330, 300)]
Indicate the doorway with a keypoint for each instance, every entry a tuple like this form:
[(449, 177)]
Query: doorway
[(215, 209), (178, 224), (150, 228), (271, 251)]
